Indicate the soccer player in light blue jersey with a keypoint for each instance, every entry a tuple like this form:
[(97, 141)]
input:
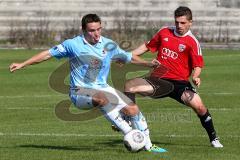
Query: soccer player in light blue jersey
[(90, 56)]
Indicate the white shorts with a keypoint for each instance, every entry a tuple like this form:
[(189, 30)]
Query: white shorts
[(82, 97)]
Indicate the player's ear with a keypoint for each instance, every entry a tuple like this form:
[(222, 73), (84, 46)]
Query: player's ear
[(191, 21)]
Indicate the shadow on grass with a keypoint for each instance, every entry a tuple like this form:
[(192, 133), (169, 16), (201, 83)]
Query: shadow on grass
[(110, 142), (51, 147), (180, 144), (118, 142)]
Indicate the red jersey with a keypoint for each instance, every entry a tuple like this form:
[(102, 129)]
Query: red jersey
[(179, 54)]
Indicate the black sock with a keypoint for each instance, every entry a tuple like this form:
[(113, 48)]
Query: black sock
[(207, 123), (130, 96)]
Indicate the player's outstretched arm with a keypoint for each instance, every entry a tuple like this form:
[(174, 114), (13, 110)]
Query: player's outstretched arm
[(140, 50), (139, 61), (40, 57), (136, 59)]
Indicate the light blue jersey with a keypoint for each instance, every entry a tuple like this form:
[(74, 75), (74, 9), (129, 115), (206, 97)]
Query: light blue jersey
[(89, 64)]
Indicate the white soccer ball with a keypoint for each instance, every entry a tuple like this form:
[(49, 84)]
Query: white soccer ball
[(135, 140)]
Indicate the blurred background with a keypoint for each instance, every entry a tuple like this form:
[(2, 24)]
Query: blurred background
[(43, 23)]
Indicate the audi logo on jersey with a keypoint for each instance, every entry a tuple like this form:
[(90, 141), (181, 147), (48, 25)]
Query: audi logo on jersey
[(167, 53)]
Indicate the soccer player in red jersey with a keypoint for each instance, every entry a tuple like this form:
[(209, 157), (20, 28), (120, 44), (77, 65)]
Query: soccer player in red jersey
[(179, 57)]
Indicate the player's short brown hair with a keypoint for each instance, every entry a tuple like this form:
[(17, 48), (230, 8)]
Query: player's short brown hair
[(183, 11), (89, 18)]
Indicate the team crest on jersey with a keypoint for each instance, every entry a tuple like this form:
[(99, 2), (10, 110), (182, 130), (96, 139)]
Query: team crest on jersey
[(95, 63), (181, 47)]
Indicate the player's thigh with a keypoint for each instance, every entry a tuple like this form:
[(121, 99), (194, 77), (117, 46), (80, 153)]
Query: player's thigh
[(84, 98), (116, 98), (194, 101), (87, 98), (121, 102), (139, 85)]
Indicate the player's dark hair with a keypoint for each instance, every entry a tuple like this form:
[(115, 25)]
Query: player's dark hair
[(183, 11), (89, 18)]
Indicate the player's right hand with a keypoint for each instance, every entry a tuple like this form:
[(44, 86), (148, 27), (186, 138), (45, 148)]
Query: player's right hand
[(155, 63), (196, 81), (15, 66)]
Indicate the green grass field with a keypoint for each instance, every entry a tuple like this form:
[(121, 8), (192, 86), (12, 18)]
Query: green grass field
[(29, 128)]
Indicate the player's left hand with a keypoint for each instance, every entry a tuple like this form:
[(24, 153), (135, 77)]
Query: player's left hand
[(15, 66), (196, 81)]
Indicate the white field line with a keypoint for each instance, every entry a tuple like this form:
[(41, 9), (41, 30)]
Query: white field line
[(33, 96), (46, 96), (160, 109), (52, 95), (230, 55), (213, 56), (59, 135), (221, 93), (101, 135), (188, 109), (27, 108)]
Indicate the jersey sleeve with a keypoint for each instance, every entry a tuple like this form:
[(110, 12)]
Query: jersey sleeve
[(196, 55), (154, 43), (61, 50), (120, 54)]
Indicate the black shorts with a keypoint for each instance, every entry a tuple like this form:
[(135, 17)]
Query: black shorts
[(169, 88)]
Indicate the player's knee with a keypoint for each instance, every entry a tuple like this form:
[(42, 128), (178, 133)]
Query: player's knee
[(194, 101), (99, 99), (131, 110), (201, 109)]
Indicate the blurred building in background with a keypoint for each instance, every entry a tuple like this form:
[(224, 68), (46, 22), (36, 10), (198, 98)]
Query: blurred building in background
[(214, 20)]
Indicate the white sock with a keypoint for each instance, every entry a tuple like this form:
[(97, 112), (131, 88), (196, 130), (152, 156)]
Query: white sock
[(114, 116), (139, 122)]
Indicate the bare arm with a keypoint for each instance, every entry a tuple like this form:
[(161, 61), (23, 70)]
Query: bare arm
[(136, 59), (140, 50), (38, 58), (196, 76)]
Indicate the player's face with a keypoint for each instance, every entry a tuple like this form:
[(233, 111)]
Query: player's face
[(182, 24), (93, 32)]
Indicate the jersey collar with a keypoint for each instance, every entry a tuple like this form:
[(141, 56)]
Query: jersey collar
[(86, 42), (178, 35)]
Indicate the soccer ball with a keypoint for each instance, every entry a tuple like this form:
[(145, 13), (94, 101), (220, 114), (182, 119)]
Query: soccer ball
[(135, 140)]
